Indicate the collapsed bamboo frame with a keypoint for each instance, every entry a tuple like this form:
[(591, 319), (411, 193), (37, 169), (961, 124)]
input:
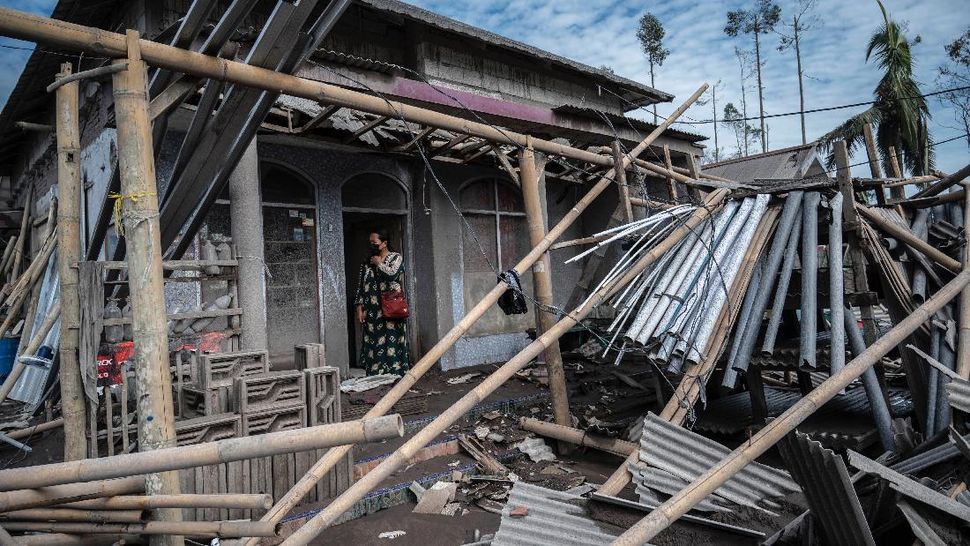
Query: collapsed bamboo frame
[(346, 500), (59, 494), (679, 504), (254, 501), (209, 453)]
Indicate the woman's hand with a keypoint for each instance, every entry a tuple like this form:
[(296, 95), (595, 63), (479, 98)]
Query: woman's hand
[(375, 261), (360, 314)]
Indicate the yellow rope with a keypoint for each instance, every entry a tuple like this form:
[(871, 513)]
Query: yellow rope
[(119, 199)]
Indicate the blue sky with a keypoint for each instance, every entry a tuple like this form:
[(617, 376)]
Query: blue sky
[(602, 32)]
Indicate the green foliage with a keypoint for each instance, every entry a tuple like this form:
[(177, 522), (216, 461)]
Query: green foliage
[(901, 116), (761, 19), (651, 35)]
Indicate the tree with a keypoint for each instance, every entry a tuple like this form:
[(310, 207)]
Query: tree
[(956, 73), (761, 19), (744, 61), (899, 111), (651, 35), (802, 21), (744, 133)]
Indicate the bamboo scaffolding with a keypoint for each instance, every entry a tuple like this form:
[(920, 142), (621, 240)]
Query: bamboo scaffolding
[(401, 388), (963, 356), (209, 453), (341, 504), (60, 494), (17, 24), (68, 253), (206, 529), (74, 515), (679, 504), (234, 500), (61, 539)]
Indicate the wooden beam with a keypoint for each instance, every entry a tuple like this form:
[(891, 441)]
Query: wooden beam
[(366, 128)]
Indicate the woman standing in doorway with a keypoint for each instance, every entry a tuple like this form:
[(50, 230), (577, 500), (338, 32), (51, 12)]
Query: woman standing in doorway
[(385, 344)]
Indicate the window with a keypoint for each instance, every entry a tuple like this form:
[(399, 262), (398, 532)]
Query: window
[(497, 239)]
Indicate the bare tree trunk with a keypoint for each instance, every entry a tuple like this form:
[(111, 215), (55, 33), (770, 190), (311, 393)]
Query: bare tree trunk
[(717, 153), (761, 97), (744, 108), (654, 86), (801, 88)]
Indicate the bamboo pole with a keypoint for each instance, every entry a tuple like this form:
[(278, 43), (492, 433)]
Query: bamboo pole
[(139, 217), (671, 186), (32, 346), (61, 539), (963, 356), (209, 453), (944, 184), (18, 251), (22, 291), (17, 24), (235, 500), (578, 437), (7, 253), (679, 504), (6, 539), (68, 253), (207, 529), (873, 156), (911, 240), (542, 282), (341, 504), (74, 515), (36, 429), (59, 494), (621, 180), (335, 455)]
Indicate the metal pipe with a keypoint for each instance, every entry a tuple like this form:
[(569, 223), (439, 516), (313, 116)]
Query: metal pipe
[(836, 286), (932, 380), (36, 429), (877, 400), (578, 437), (71, 514), (781, 291), (773, 262), (207, 529), (679, 504), (223, 451), (335, 456), (919, 227), (14, 443), (341, 504), (809, 310), (34, 28), (59, 494), (912, 241), (230, 501)]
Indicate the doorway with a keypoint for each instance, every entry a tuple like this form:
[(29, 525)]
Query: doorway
[(373, 202)]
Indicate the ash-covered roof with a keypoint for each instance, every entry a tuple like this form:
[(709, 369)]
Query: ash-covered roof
[(785, 163)]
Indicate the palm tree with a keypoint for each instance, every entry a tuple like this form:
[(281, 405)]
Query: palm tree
[(899, 112)]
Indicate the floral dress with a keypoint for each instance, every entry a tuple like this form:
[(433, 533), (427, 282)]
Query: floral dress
[(384, 348)]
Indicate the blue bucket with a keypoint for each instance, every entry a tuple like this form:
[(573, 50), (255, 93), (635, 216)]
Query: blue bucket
[(8, 352)]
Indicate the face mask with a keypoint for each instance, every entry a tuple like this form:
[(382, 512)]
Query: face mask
[(375, 248)]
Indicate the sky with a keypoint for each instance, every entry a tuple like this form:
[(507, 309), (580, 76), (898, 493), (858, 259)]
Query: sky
[(603, 33)]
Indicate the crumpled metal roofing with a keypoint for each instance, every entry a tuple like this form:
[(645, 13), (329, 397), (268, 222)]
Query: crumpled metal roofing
[(555, 518), (732, 414), (958, 392), (828, 489), (649, 481), (786, 163), (687, 455)]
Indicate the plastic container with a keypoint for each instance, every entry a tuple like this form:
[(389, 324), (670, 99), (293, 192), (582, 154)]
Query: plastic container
[(8, 352)]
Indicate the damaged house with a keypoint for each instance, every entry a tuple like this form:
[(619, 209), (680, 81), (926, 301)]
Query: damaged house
[(329, 176)]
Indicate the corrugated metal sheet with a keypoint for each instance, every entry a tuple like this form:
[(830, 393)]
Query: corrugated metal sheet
[(649, 481), (786, 163), (687, 455), (958, 392), (828, 489), (732, 414), (555, 519)]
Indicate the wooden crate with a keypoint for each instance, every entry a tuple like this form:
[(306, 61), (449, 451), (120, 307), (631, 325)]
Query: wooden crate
[(265, 391)]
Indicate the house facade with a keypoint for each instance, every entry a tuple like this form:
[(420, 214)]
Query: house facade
[(329, 176)]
